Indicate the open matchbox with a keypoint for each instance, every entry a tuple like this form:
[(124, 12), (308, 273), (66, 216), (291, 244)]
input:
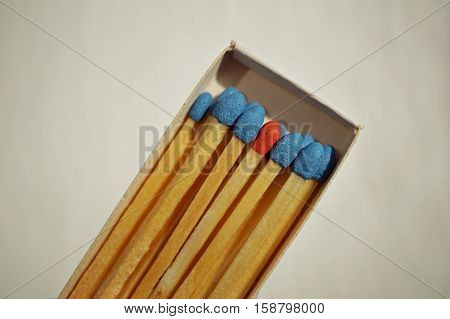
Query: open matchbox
[(258, 82)]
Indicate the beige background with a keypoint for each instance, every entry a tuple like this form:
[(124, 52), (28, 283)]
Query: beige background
[(69, 130)]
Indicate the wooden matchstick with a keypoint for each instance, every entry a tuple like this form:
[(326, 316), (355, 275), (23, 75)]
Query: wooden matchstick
[(205, 273), (272, 227), (159, 177), (144, 240)]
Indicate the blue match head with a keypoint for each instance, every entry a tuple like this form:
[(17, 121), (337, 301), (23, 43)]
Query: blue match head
[(249, 123), (200, 106), (288, 147), (229, 108), (227, 92), (314, 161), (308, 163)]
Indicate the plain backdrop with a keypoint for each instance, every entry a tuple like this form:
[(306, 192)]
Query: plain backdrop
[(70, 117)]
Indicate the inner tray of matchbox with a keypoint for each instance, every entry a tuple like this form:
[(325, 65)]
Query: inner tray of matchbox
[(282, 100)]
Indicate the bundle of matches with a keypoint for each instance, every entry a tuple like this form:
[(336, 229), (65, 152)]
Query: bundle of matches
[(191, 236)]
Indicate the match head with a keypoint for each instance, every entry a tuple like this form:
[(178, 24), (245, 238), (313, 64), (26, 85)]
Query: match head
[(314, 161), (229, 108), (288, 147), (227, 92), (200, 106), (269, 134), (249, 123)]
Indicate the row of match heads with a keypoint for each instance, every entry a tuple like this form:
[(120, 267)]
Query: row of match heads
[(307, 157)]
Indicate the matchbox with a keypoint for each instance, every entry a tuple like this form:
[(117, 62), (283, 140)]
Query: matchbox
[(284, 101)]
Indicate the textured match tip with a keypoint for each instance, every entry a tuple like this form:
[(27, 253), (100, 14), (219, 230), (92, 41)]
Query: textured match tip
[(249, 123), (227, 92), (229, 108), (200, 106), (315, 161), (288, 147), (269, 134)]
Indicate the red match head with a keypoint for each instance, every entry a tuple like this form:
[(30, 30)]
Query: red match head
[(269, 134)]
